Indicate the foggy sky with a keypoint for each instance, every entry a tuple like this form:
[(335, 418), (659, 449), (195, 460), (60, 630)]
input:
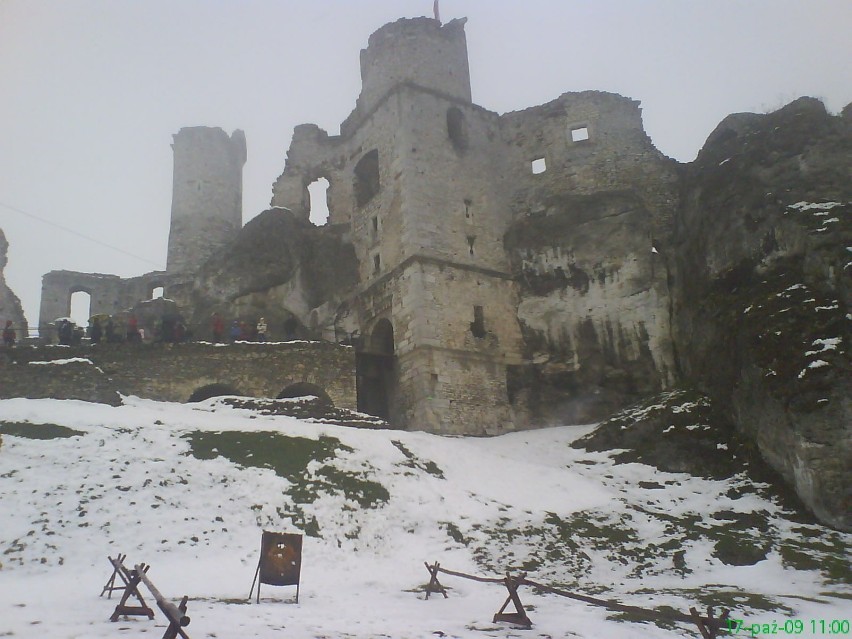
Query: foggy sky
[(92, 91)]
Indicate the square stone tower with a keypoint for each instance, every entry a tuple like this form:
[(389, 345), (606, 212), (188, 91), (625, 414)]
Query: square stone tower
[(437, 306), (417, 180)]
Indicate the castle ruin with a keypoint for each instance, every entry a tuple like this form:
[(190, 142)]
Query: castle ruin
[(546, 266), (426, 186)]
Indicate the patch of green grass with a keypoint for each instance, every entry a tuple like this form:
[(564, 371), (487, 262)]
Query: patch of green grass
[(412, 461), (289, 457), (825, 552), (739, 602), (38, 431), (454, 533)]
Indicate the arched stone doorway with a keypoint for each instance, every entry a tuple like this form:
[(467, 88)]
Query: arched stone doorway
[(377, 373), (212, 390)]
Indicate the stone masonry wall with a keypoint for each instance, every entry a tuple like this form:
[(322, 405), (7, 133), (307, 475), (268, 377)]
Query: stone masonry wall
[(419, 51), (174, 372), (109, 294)]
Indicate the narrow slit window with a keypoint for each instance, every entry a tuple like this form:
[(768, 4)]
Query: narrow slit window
[(375, 227), (470, 241), (539, 165), (467, 211), (456, 128), (580, 134), (477, 326), (377, 263)]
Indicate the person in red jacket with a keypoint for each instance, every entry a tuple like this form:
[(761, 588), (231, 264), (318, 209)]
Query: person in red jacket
[(218, 327)]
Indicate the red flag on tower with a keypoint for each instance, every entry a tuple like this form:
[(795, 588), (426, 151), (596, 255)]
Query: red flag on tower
[(436, 11)]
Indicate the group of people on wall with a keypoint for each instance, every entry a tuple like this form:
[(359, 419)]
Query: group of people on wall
[(238, 331), (113, 330)]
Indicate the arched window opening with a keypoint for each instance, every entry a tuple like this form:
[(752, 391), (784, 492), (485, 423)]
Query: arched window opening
[(212, 390), (81, 307), (318, 194), (367, 178), (381, 341), (157, 292), (457, 128), (305, 389)]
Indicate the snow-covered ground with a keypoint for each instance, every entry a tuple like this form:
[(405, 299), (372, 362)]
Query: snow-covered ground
[(189, 488)]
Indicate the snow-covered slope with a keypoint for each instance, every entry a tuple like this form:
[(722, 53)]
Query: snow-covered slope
[(189, 488)]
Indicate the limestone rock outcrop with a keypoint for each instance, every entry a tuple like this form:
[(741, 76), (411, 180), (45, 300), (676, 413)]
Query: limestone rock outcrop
[(761, 313), (10, 305), (278, 267)]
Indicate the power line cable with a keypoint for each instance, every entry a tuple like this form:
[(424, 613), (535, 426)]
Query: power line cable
[(78, 234)]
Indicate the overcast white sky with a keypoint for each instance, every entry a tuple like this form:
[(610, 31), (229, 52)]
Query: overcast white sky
[(91, 92)]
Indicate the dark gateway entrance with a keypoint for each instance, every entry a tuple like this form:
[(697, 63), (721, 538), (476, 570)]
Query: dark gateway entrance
[(376, 369)]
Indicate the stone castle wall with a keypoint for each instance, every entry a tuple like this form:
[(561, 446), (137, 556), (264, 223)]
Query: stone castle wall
[(169, 372), (109, 294)]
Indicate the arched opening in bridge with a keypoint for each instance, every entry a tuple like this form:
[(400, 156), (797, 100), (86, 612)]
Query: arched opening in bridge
[(212, 390), (80, 307), (377, 373), (305, 389), (318, 194)]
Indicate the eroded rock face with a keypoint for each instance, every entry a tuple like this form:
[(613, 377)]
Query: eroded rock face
[(594, 306), (10, 305), (762, 295), (278, 267)]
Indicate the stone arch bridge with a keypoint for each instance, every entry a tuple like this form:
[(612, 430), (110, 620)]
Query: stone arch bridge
[(180, 372)]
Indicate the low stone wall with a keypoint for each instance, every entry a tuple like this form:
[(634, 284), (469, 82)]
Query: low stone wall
[(173, 372)]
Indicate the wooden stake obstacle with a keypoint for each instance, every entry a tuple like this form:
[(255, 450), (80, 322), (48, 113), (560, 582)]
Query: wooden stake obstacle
[(709, 626), (176, 615)]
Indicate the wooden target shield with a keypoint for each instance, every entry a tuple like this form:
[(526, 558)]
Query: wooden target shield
[(280, 561)]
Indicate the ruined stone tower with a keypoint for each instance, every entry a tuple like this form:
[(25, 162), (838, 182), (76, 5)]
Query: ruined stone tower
[(207, 194), (413, 176)]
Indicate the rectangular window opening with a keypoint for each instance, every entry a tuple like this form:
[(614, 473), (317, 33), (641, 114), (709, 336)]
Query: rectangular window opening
[(467, 205), (477, 326), (377, 263), (580, 134), (539, 166), (470, 240)]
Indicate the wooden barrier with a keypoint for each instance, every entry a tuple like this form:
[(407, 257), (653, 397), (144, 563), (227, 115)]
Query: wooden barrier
[(708, 626), (176, 615)]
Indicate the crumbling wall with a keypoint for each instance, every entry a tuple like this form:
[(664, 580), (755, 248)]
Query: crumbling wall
[(417, 51), (593, 206), (109, 294)]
